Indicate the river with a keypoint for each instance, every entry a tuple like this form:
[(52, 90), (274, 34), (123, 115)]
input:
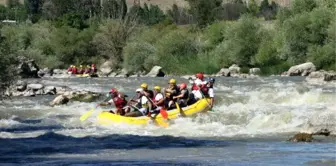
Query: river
[(251, 121)]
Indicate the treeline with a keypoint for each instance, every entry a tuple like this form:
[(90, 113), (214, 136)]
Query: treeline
[(207, 36)]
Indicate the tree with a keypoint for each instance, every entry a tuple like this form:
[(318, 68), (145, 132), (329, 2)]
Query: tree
[(34, 9), (203, 10), (179, 16), (111, 38), (7, 66)]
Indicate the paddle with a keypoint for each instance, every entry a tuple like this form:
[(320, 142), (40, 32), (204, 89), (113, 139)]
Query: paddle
[(87, 114), (163, 112), (179, 108), (160, 123), (206, 100)]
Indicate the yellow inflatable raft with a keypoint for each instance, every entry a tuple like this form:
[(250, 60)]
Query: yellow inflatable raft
[(106, 118)]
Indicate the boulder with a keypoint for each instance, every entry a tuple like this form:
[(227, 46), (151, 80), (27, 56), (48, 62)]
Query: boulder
[(29, 93), (301, 70), (59, 100), (156, 72), (82, 96), (61, 90), (46, 72), (224, 72), (39, 92), (106, 68), (123, 73), (27, 67), (302, 137), (234, 69), (21, 86), (35, 86), (321, 76), (113, 74), (255, 71), (49, 90)]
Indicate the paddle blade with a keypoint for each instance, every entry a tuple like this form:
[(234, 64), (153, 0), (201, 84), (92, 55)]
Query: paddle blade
[(86, 115), (164, 113)]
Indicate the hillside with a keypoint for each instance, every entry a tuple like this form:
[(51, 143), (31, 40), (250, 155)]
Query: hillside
[(166, 4)]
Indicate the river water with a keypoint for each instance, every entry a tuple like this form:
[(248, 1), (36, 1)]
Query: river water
[(251, 121)]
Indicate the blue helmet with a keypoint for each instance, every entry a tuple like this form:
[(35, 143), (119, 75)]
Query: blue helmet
[(212, 80)]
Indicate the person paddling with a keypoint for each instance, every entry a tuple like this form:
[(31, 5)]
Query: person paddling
[(158, 100), (182, 98), (119, 101), (144, 105), (211, 91)]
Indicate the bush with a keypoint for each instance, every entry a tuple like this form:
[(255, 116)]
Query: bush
[(175, 48), (242, 40), (111, 38), (136, 56)]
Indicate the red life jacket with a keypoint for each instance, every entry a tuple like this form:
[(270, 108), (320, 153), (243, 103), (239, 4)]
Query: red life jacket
[(205, 90), (194, 87), (94, 69), (74, 71), (87, 71), (119, 102), (81, 71), (69, 69)]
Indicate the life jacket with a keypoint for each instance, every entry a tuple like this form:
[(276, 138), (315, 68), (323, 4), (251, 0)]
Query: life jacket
[(70, 69), (74, 71), (88, 70), (119, 102), (194, 86), (185, 95), (205, 90), (81, 71), (94, 69), (161, 104)]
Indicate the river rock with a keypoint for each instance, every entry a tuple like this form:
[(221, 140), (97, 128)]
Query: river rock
[(321, 76), (301, 70), (123, 73), (106, 68), (156, 71), (234, 69), (27, 67), (224, 72), (61, 90), (255, 71), (21, 86), (29, 93), (50, 90), (302, 137), (46, 72), (82, 96), (59, 100), (35, 86)]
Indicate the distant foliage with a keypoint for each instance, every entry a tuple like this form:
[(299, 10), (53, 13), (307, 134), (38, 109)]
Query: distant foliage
[(179, 16), (203, 11), (8, 66)]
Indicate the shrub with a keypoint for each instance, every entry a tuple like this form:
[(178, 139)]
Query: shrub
[(241, 42)]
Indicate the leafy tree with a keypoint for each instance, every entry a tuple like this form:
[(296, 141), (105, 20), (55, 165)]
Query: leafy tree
[(8, 63), (203, 11), (300, 6), (34, 9), (114, 9), (179, 16), (111, 38)]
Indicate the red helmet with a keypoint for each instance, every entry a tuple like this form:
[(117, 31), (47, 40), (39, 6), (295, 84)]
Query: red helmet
[(93, 65), (113, 91), (183, 86), (200, 76)]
